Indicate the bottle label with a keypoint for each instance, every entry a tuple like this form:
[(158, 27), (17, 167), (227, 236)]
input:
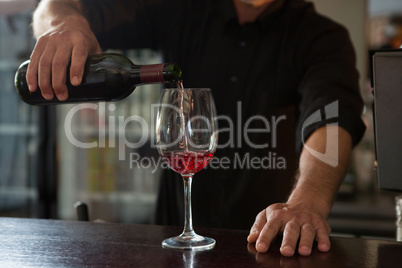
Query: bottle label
[(152, 73)]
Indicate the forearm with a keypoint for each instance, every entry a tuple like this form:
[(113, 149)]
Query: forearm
[(51, 13), (322, 173), (302, 219)]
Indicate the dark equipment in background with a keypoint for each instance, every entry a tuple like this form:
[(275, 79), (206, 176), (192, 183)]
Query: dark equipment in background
[(387, 83)]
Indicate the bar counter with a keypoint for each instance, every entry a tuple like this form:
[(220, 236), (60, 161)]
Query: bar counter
[(58, 243)]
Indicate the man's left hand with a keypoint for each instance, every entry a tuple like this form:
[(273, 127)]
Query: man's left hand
[(296, 224)]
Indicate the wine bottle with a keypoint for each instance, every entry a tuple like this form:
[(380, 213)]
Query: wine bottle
[(107, 77)]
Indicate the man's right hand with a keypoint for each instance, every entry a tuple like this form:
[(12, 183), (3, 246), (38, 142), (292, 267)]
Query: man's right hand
[(62, 37)]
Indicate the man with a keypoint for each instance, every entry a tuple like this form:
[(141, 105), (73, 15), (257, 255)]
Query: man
[(278, 71)]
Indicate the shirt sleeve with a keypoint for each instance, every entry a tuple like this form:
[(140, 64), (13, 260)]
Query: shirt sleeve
[(329, 87)]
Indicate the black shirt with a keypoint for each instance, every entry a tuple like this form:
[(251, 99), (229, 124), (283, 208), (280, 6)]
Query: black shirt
[(289, 65)]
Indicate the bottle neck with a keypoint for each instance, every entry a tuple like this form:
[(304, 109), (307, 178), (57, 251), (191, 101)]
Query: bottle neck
[(152, 73), (156, 73)]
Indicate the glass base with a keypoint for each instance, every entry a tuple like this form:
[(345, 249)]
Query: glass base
[(189, 242)]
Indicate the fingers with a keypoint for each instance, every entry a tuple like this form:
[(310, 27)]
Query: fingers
[(271, 221), (258, 225), (290, 238), (322, 237), (60, 64), (78, 59), (40, 69), (32, 76), (48, 67), (79, 56), (44, 72), (32, 71), (268, 233), (51, 57), (307, 237), (265, 228), (300, 230), (49, 73), (304, 233)]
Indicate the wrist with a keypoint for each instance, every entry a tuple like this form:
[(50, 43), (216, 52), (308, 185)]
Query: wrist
[(308, 199), (51, 14)]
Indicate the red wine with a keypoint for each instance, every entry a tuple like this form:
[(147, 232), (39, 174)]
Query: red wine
[(187, 162), (180, 84), (107, 77)]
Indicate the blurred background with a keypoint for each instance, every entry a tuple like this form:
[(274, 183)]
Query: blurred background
[(42, 174)]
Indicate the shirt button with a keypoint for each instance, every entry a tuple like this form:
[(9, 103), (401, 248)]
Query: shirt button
[(242, 44), (234, 79)]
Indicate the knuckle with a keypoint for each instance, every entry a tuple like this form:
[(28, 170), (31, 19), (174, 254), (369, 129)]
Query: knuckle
[(298, 218), (293, 226), (320, 224), (262, 213), (259, 222), (256, 227), (59, 63), (62, 36), (58, 86), (279, 214), (44, 38), (271, 228), (307, 228), (45, 85), (56, 38), (33, 58), (260, 216), (59, 67), (276, 206), (80, 51), (44, 63), (304, 218), (325, 229)]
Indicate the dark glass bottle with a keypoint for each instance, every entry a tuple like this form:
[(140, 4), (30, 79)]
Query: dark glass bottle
[(107, 77)]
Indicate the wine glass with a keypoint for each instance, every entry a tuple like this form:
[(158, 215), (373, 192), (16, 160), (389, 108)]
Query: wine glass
[(187, 136)]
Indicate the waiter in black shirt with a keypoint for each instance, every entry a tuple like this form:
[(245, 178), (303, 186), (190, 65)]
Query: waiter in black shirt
[(284, 75)]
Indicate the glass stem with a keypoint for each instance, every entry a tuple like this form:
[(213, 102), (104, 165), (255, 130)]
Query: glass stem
[(188, 219)]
